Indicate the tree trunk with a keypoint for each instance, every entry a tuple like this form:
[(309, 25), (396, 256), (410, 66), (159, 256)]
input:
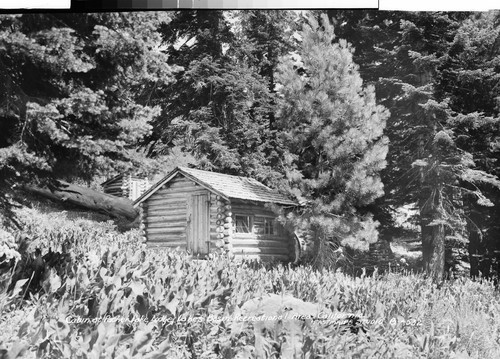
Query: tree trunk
[(436, 265), (433, 248), (87, 198), (475, 247)]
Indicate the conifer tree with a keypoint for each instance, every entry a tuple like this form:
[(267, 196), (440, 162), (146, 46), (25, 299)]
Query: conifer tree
[(266, 36), (468, 79), (218, 109), (428, 164), (435, 155), (333, 130), (74, 91)]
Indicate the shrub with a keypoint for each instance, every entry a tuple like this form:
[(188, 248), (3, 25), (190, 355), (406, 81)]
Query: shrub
[(119, 299)]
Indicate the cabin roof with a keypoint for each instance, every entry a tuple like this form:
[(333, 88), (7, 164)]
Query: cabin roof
[(112, 179), (227, 186), (120, 175)]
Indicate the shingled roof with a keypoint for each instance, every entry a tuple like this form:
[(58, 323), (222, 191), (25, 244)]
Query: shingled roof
[(224, 185)]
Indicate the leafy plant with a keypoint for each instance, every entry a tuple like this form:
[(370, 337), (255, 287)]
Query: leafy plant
[(119, 299)]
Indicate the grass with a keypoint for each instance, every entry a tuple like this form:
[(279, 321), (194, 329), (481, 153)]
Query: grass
[(124, 302)]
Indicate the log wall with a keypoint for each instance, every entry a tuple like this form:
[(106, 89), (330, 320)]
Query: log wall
[(165, 223), (165, 213), (127, 186), (114, 187), (252, 245)]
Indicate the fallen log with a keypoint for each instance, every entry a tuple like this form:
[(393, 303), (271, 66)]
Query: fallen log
[(61, 191)]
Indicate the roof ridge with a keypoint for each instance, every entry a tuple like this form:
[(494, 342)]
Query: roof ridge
[(219, 174), (230, 186)]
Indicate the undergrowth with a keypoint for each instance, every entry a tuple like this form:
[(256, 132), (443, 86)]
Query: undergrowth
[(116, 299)]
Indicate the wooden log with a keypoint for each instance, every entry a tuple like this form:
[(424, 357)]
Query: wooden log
[(181, 184), (163, 245), (159, 237), (171, 212), (221, 210), (168, 243), (219, 243), (263, 250), (166, 231), (181, 224), (257, 243), (259, 212), (263, 257), (178, 192), (61, 191), (166, 217), (167, 203)]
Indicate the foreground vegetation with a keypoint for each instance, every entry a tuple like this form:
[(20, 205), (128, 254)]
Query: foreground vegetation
[(115, 300)]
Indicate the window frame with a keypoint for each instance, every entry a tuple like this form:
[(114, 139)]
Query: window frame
[(249, 223), (252, 230), (269, 226)]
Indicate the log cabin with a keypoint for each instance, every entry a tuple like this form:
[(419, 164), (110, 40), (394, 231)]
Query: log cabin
[(203, 212), (126, 185)]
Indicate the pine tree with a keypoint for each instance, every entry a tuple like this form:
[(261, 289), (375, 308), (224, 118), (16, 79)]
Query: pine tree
[(266, 36), (411, 62), (333, 131), (468, 79), (269, 36), (436, 172), (71, 107), (219, 106)]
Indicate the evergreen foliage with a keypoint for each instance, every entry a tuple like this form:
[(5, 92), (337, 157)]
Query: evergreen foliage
[(218, 108), (333, 130), (74, 94), (414, 59), (468, 79)]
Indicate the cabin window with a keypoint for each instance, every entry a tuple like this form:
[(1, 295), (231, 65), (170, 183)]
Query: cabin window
[(242, 224), (260, 226), (264, 225), (269, 226)]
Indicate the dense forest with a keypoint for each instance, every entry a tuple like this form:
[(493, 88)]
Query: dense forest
[(356, 114), (384, 126)]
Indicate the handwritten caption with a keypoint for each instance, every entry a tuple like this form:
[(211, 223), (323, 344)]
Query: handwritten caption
[(339, 320)]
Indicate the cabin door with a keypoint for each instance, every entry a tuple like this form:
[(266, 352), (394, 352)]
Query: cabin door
[(198, 226)]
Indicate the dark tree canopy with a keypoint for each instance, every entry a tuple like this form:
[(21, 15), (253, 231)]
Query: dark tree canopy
[(70, 107), (415, 60), (219, 107)]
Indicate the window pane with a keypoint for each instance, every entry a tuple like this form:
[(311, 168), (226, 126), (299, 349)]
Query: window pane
[(259, 225), (242, 224), (269, 226)]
